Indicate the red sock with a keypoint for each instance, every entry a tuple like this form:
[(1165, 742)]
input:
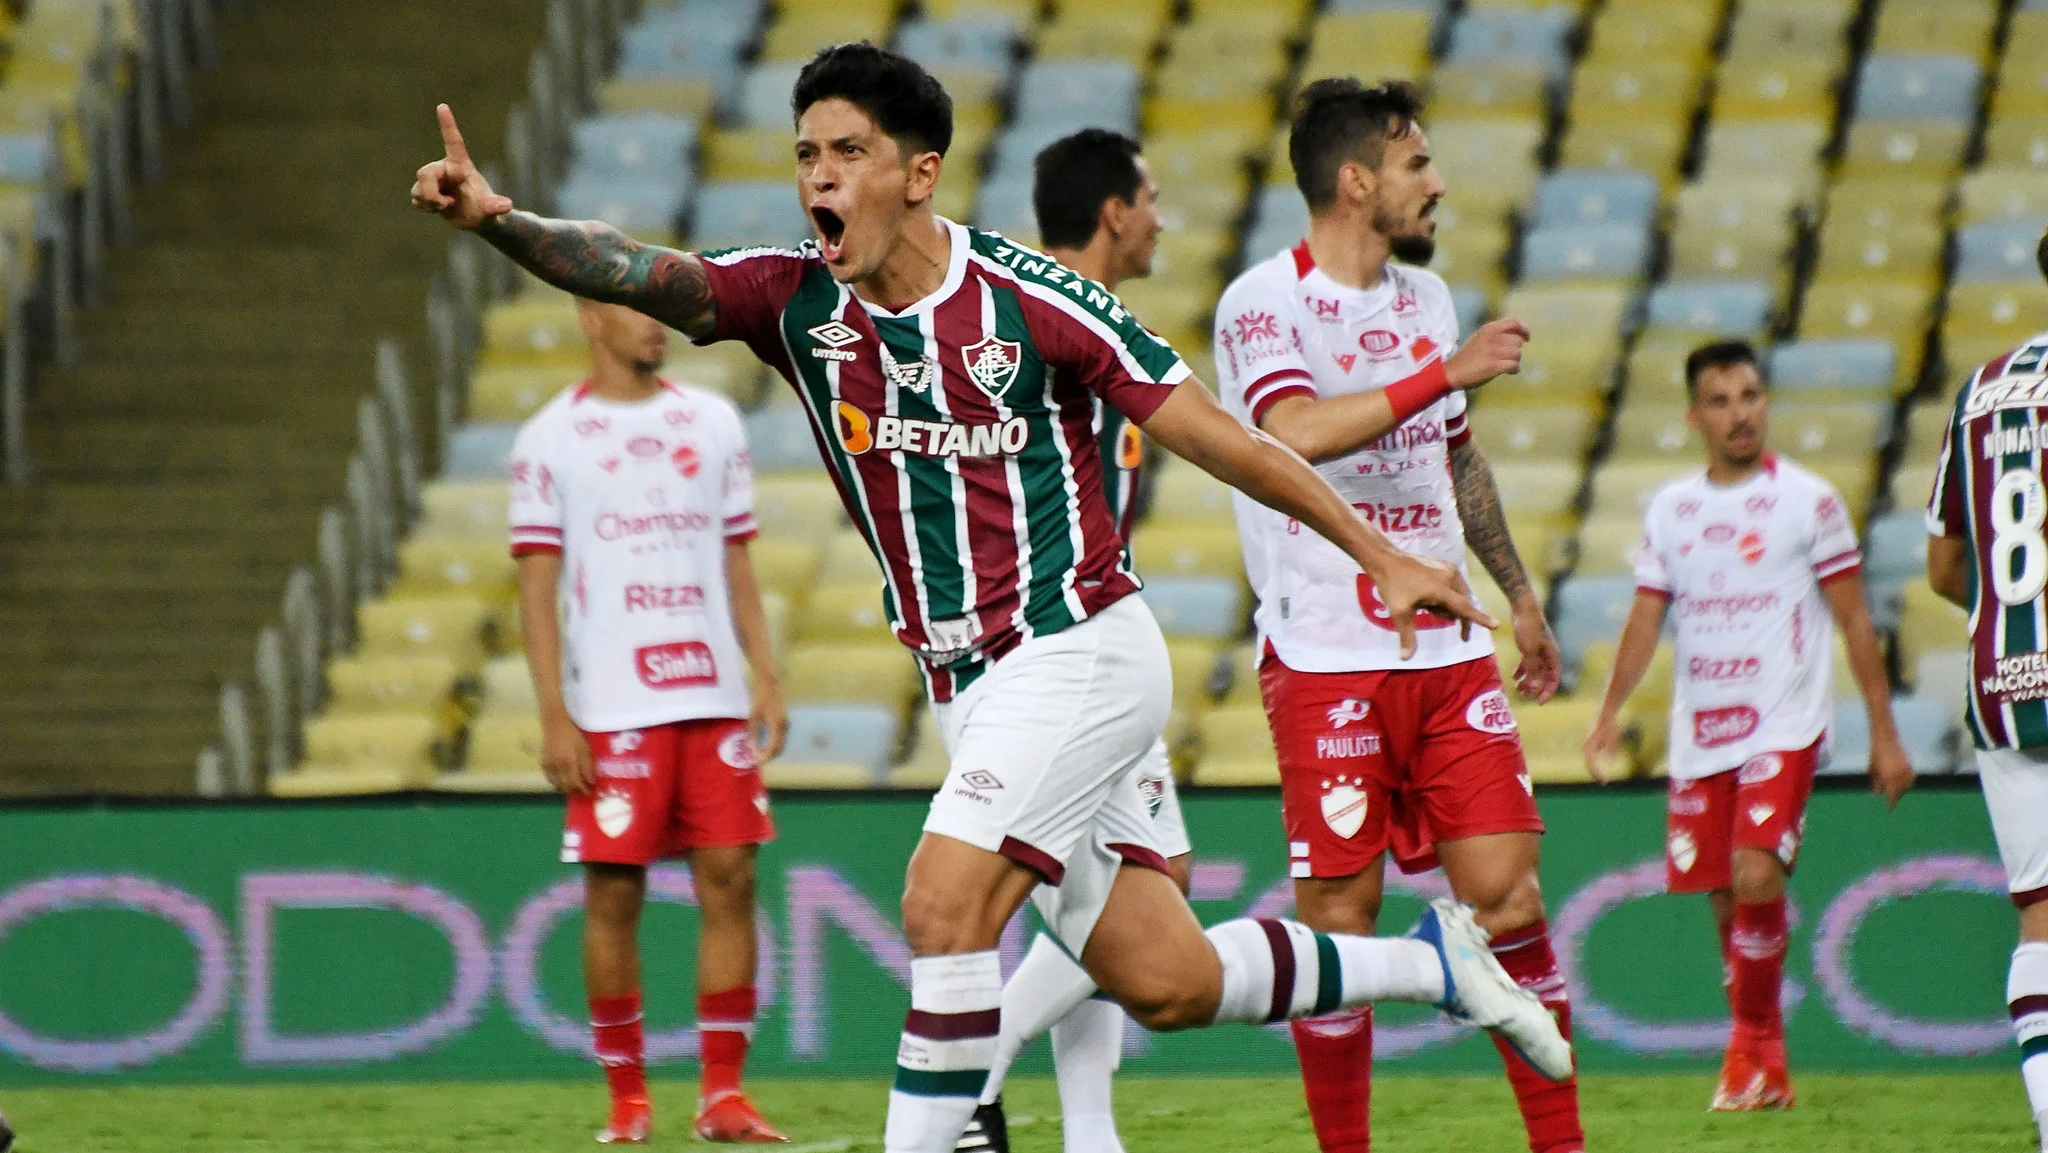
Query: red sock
[(725, 1022), (615, 1026), (1550, 1109), (1336, 1076), (1757, 958), (1728, 962)]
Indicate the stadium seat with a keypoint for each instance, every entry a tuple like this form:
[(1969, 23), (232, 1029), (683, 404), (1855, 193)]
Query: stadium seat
[(1553, 736), (1568, 252), (1194, 664), (1530, 488), (1985, 320), (1712, 307), (515, 391), (1817, 30), (757, 154), (1652, 146), (798, 35), (696, 49), (463, 509), (1917, 86), (1623, 489), (1911, 485), (472, 566), (537, 327), (1942, 678), (633, 147), (629, 93), (780, 440), (1841, 364), (1588, 609), (1701, 251), (1927, 624), (1925, 425), (2018, 141), (927, 762), (760, 99), (1850, 250), (1923, 728), (1656, 369), (1595, 196), (1184, 494), (977, 42), (736, 213), (1573, 370), (845, 612), (796, 506), (1187, 550), (1883, 202), (1959, 27), (505, 687), (1997, 252), (1841, 308), (1075, 93), (1519, 432), (1484, 89), (364, 753), (1775, 88), (1510, 36), (835, 746), (1490, 162), (1740, 149), (1596, 665), (1279, 221), (1104, 33), (1379, 42), (848, 560), (480, 450), (2014, 196), (1931, 148), (878, 671), (646, 210), (1236, 749), (1607, 546), (1558, 311), (408, 684), (505, 745), (1895, 547), (449, 626), (1210, 607), (1636, 86), (1652, 429)]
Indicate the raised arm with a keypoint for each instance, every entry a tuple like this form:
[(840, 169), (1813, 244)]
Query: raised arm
[(586, 257), (1486, 534), (1191, 425)]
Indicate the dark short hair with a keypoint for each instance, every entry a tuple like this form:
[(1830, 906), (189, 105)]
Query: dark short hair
[(1719, 354), (905, 101), (1073, 177), (1338, 120), (2041, 255)]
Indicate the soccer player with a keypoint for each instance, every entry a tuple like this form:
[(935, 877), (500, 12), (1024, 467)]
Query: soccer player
[(1988, 555), (640, 489), (951, 378), (1097, 212), (1751, 555), (1354, 362)]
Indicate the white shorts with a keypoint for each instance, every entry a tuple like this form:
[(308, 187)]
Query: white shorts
[(1155, 784), (2016, 792), (1045, 748)]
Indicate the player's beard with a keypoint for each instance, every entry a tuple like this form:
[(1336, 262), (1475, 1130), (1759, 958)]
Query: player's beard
[(1417, 248)]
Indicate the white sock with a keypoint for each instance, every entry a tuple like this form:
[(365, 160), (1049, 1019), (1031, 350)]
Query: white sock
[(1087, 1046), (1275, 970), (1046, 987), (2026, 995), (949, 1038)]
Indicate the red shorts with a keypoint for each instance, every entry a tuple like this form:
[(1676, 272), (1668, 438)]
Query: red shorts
[(1761, 805), (1398, 759), (666, 789)]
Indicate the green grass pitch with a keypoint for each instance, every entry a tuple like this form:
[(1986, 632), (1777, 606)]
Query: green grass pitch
[(1625, 1114)]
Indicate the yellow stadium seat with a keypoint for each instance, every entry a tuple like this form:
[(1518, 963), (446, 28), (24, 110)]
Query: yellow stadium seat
[(1157, 11), (1651, 429), (1482, 91), (1928, 623), (510, 781), (928, 762), (535, 326), (1184, 494), (1472, 253), (1926, 423), (1522, 432), (1852, 477), (464, 508), (1963, 353), (1193, 662), (799, 506), (1741, 204), (1391, 43), (1206, 85), (2002, 195), (1851, 250), (1886, 203), (784, 565), (1655, 373), (1596, 664), (1673, 29), (799, 35), (1241, 665), (475, 566), (689, 96), (1622, 490), (1554, 737), (1491, 163), (880, 671), (749, 154), (1570, 370), (2026, 34), (1234, 115), (1606, 546), (2007, 313), (364, 753), (504, 756), (1653, 146), (452, 626), (1236, 749), (1191, 550), (1585, 312), (1904, 148), (1743, 149), (1253, 21), (414, 684), (847, 559), (777, 614), (1193, 252), (1962, 27), (2017, 141), (1657, 88), (515, 391), (1536, 488), (1776, 88), (845, 613), (1105, 31), (1812, 29), (1910, 486), (1209, 158), (1701, 251), (1842, 432), (1899, 311), (954, 198), (1172, 303), (729, 368), (506, 687)]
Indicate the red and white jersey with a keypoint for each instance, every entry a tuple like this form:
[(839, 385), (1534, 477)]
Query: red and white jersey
[(1284, 329), (1742, 568), (640, 499)]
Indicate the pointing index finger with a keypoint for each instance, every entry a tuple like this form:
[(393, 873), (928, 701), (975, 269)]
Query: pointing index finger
[(451, 136)]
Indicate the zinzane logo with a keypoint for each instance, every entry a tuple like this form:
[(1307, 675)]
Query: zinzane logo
[(1378, 341), (1712, 728), (677, 665), (1489, 713)]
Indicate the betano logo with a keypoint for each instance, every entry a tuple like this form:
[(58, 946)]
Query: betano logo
[(858, 432)]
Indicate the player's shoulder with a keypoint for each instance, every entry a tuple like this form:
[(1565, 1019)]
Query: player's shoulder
[(1049, 278), (1789, 476), (1271, 279)]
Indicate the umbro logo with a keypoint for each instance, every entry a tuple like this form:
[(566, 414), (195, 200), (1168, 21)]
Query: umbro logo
[(834, 335)]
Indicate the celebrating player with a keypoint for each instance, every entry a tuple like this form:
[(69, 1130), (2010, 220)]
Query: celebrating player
[(641, 489), (1096, 205), (1987, 554), (1753, 554), (951, 378), (1354, 362)]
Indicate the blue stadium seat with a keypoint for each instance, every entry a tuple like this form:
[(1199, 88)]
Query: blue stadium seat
[(1896, 546), (1586, 251), (689, 42), (1020, 144), (634, 146), (481, 450), (1004, 205), (760, 99), (1527, 36), (1210, 607), (1834, 364), (1924, 729), (779, 439), (1279, 222), (1916, 86), (1470, 304), (1721, 307), (1997, 253), (862, 735), (1596, 196), (26, 157), (1079, 93), (732, 213), (1589, 609), (981, 42), (638, 207)]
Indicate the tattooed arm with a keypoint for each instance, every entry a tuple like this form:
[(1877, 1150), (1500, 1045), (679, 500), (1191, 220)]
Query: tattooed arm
[(584, 257), (1486, 534)]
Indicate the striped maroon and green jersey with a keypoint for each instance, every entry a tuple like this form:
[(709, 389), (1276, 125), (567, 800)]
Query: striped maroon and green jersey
[(1123, 451), (1988, 492), (961, 433)]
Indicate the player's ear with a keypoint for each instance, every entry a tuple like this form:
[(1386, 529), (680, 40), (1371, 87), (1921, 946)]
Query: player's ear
[(923, 180), (1115, 215), (1355, 181)]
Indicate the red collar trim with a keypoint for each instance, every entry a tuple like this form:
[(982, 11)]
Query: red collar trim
[(1303, 262), (1771, 464)]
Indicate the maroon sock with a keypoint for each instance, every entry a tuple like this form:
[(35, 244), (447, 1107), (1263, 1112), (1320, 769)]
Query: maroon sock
[(1336, 1077), (1550, 1109), (1757, 962), (725, 1023), (615, 1027)]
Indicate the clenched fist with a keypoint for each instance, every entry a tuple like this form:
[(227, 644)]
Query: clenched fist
[(1495, 349), (451, 186)]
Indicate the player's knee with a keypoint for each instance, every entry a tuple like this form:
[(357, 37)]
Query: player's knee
[(1516, 906), (1757, 877), (1166, 1007), (934, 921), (725, 885)]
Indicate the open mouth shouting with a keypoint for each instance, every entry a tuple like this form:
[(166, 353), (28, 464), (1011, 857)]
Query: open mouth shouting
[(831, 233)]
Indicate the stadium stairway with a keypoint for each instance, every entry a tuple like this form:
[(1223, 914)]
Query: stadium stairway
[(181, 467)]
